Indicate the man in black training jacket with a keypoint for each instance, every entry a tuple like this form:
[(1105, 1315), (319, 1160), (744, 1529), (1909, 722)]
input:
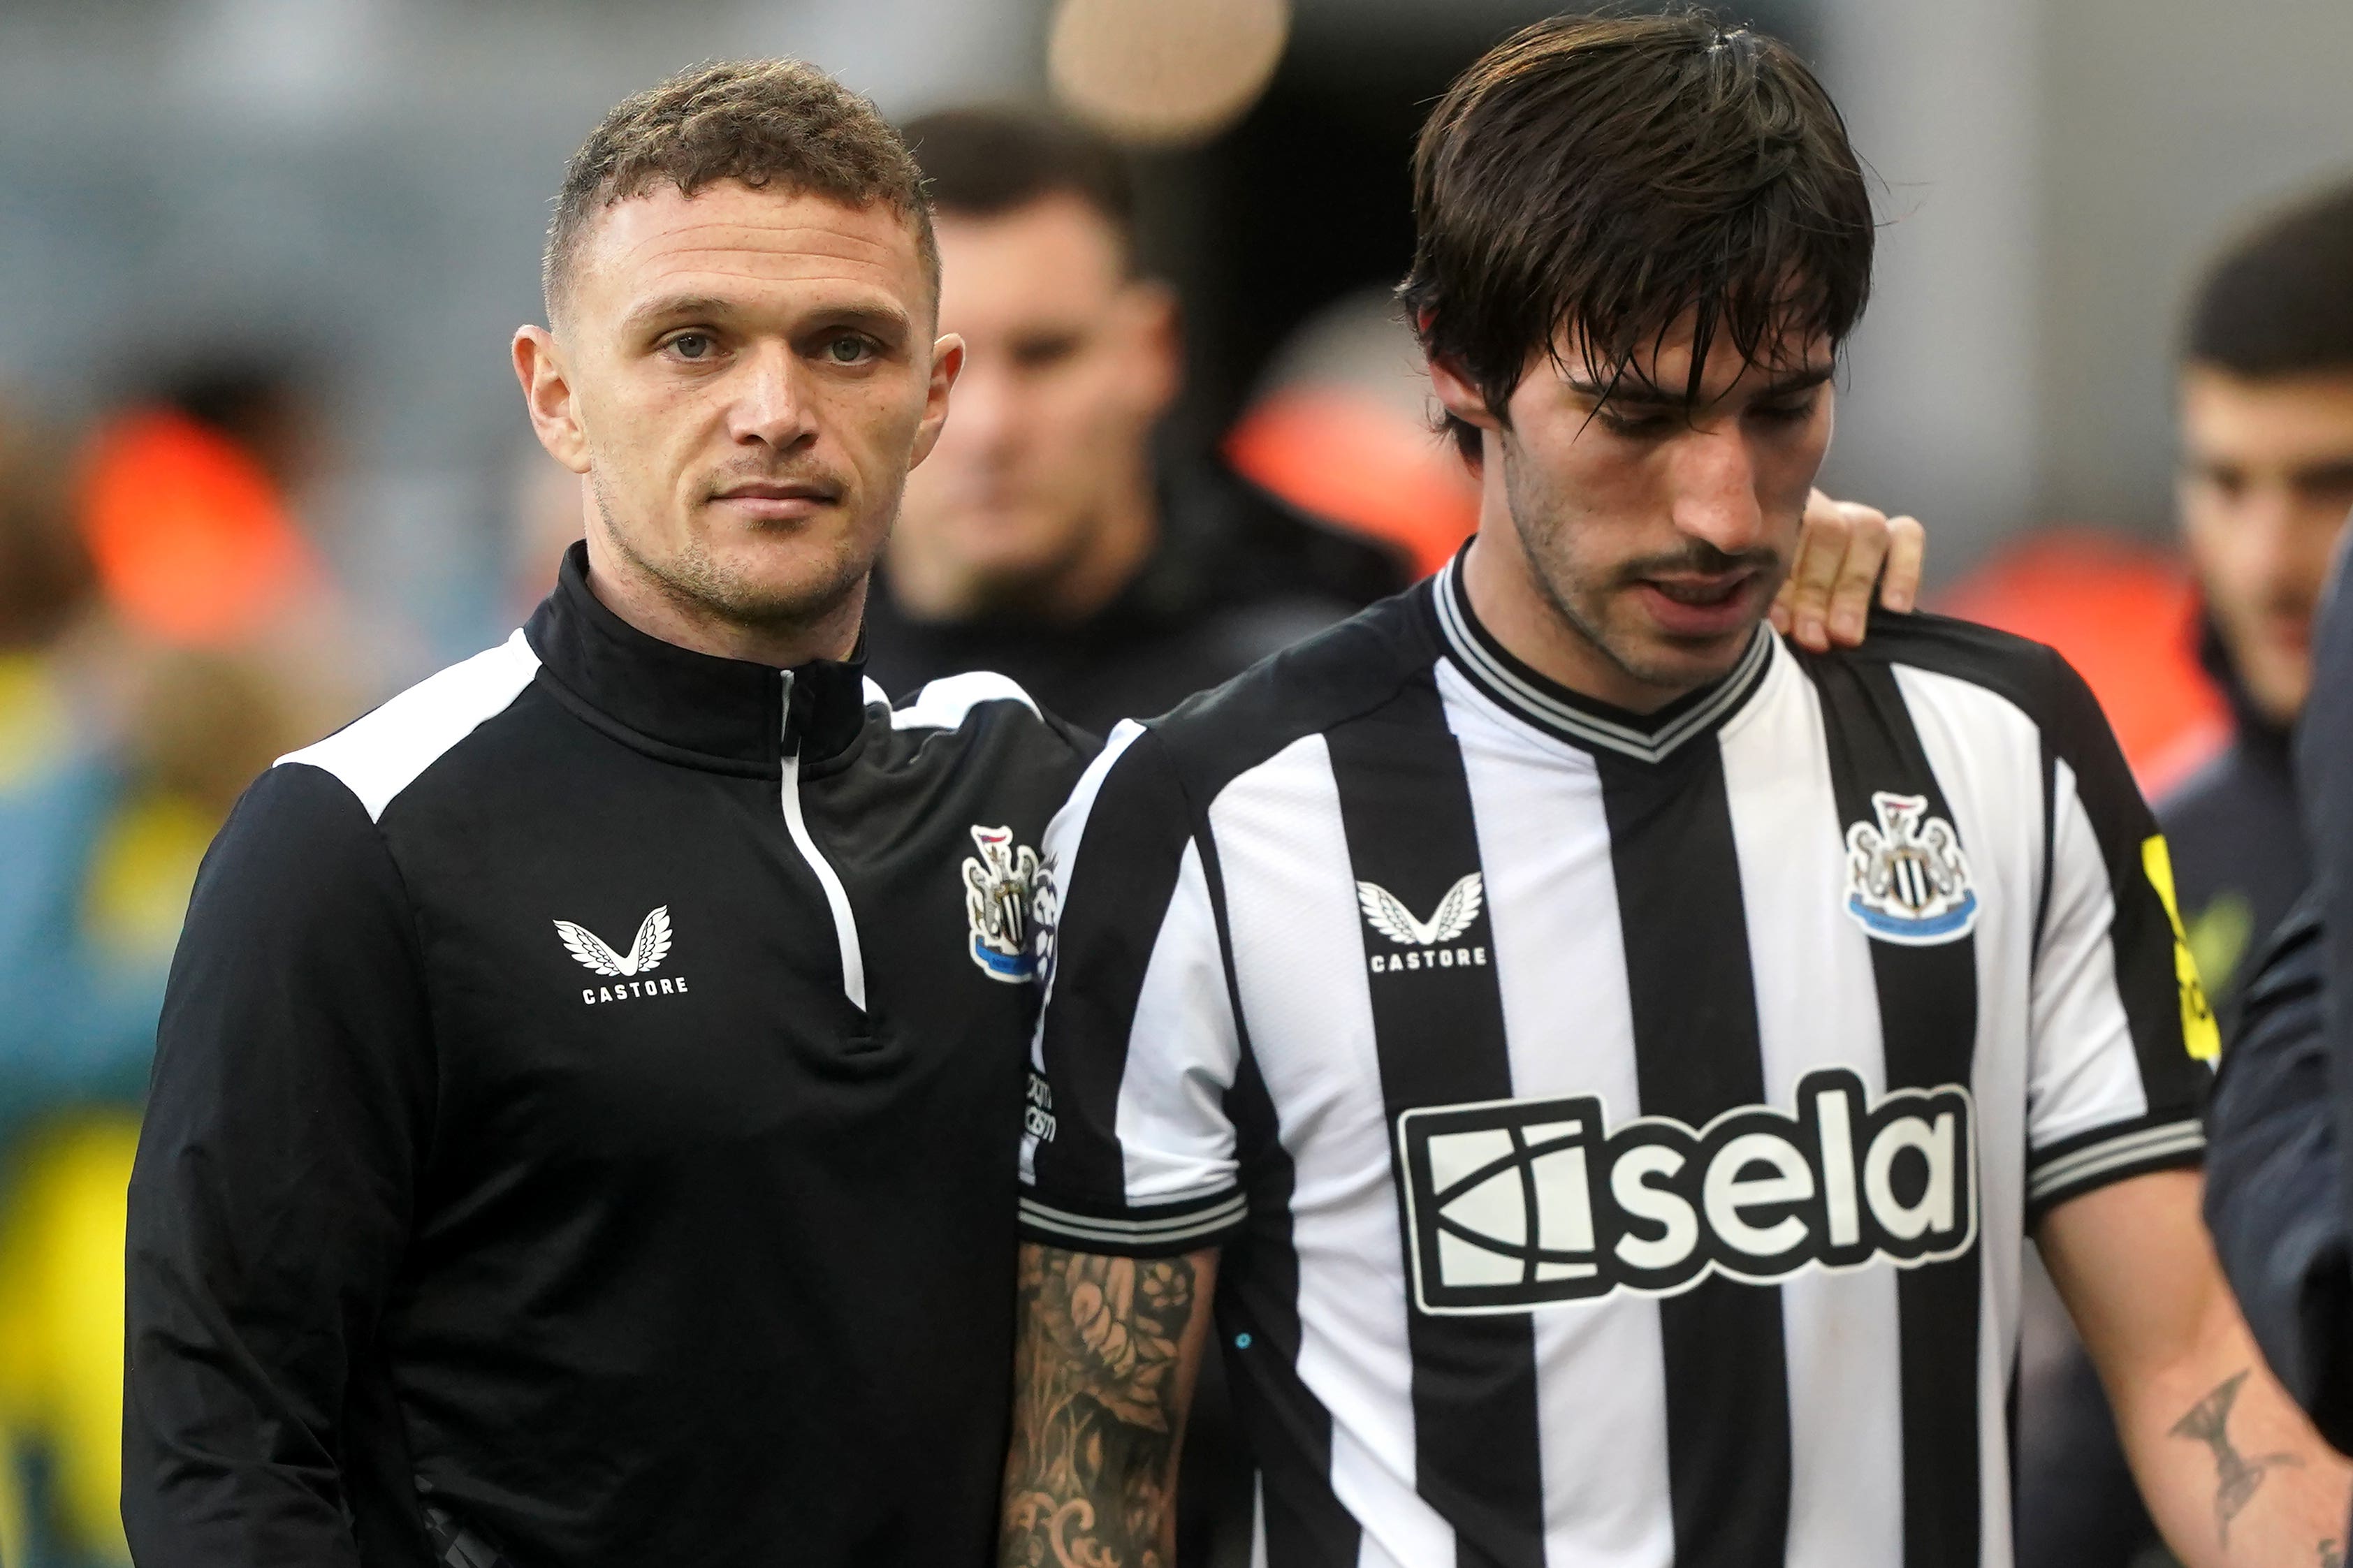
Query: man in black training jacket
[(576, 1135), (564, 1062)]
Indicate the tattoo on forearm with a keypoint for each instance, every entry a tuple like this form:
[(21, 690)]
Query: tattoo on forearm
[(1097, 1415), (2237, 1478), (2332, 1555)]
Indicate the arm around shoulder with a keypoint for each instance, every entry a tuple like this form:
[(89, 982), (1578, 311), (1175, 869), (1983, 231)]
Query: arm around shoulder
[(271, 1199)]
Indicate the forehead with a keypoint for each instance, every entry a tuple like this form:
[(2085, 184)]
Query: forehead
[(1047, 257), (2289, 417), (730, 240)]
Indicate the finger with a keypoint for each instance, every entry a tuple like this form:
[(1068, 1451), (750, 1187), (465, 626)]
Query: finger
[(1849, 608), (1821, 545), (1907, 549)]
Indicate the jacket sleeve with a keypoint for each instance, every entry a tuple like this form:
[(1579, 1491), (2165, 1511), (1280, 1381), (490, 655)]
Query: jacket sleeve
[(2273, 1174), (271, 1197)]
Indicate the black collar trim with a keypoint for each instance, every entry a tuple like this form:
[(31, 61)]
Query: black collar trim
[(685, 706), (1548, 705)]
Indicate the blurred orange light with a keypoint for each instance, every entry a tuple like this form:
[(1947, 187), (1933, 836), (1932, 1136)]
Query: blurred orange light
[(193, 543), (2125, 614), (1350, 459)]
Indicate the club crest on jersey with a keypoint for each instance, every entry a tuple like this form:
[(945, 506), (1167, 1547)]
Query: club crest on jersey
[(626, 971), (1518, 1203), (1001, 886), (1907, 877), (1431, 944)]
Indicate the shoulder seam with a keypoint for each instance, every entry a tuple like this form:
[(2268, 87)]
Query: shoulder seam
[(380, 754)]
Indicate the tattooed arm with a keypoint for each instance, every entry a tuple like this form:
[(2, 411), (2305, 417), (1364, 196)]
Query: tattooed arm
[(2233, 1472), (1102, 1377)]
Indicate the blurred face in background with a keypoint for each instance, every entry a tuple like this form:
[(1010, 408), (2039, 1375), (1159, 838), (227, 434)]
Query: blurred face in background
[(1652, 539), (1071, 360), (744, 377), (2267, 482)]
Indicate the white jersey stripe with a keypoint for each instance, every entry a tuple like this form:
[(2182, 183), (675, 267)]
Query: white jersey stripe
[(1299, 966), (1560, 961), (1816, 1006)]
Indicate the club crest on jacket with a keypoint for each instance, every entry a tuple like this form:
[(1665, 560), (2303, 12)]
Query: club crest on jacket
[(1000, 885)]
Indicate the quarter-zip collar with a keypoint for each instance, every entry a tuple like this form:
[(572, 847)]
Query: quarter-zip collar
[(1574, 717), (729, 713)]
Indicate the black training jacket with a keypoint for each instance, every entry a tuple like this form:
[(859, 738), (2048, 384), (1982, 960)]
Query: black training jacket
[(577, 1133)]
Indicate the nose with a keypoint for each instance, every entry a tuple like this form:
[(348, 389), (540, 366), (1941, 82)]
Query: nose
[(1715, 479), (768, 409)]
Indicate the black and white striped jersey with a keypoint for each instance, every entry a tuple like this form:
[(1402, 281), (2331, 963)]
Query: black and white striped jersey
[(1620, 1130)]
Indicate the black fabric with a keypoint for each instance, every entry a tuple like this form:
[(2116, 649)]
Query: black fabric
[(1404, 807), (1928, 1017), (1697, 1056), (433, 1228), (1234, 576), (2272, 1173), (2240, 856), (2240, 863)]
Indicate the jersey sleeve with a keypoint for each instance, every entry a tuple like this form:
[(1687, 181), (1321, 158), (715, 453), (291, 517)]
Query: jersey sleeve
[(271, 1199), (2123, 1039), (1126, 1146)]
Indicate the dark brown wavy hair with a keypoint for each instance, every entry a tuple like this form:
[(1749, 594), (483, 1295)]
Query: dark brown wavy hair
[(1608, 175)]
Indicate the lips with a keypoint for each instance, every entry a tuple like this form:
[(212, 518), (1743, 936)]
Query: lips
[(777, 501), (1701, 606)]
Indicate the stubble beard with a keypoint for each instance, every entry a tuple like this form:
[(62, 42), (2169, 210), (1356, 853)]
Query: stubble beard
[(1581, 597), (697, 583)]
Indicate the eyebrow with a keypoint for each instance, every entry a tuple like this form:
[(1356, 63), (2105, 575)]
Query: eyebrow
[(671, 307), (874, 317), (1649, 395)]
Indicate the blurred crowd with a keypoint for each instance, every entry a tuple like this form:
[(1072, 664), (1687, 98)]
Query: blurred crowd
[(169, 625)]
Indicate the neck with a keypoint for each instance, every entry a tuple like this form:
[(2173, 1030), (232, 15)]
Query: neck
[(653, 606), (1502, 585), (1112, 548)]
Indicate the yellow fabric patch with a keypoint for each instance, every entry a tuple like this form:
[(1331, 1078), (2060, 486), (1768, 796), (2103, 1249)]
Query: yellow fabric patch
[(141, 875), (2200, 1034), (33, 724), (2219, 938), (61, 1239)]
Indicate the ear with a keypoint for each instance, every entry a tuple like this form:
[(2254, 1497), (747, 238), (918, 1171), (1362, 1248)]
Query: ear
[(547, 394), (1458, 397), (947, 362)]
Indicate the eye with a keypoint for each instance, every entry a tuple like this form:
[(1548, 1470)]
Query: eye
[(848, 349), (1637, 427), (1784, 413), (692, 346)]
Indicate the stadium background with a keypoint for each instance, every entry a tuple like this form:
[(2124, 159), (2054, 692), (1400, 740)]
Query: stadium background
[(320, 219)]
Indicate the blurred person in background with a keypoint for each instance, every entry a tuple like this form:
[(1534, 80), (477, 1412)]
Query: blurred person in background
[(1045, 538), (2266, 406), (155, 614)]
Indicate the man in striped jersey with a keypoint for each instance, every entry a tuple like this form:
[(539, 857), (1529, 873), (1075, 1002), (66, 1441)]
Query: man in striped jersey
[(1603, 1060)]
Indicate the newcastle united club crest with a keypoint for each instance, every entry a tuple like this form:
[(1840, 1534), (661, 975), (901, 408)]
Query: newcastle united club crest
[(1907, 878), (1000, 886)]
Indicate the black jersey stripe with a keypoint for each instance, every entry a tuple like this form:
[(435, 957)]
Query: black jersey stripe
[(1405, 806), (1258, 1324), (1927, 1019), (1698, 1054)]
